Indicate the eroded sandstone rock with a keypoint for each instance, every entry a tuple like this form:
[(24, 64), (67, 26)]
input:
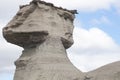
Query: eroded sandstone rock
[(45, 32), (43, 19), (107, 72)]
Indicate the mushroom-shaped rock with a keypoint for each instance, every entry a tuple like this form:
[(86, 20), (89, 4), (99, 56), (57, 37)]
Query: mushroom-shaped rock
[(34, 22), (45, 32)]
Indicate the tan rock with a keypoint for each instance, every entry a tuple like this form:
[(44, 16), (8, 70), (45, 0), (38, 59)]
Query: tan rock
[(107, 72), (45, 32), (40, 18)]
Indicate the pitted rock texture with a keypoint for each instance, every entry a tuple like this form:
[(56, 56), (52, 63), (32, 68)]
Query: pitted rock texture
[(45, 32), (38, 17)]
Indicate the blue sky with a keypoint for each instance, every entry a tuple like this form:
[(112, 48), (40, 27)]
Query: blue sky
[(110, 25), (96, 34)]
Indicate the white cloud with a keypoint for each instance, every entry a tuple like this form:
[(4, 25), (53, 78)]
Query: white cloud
[(10, 8), (92, 48), (8, 54), (102, 20), (117, 5), (84, 5)]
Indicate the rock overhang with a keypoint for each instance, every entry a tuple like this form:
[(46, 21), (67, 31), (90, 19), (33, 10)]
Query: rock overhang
[(42, 18)]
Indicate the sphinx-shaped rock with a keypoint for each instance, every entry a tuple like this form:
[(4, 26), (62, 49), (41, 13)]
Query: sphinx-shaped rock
[(45, 32)]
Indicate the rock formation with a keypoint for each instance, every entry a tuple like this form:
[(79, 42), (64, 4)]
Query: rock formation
[(107, 72), (45, 32)]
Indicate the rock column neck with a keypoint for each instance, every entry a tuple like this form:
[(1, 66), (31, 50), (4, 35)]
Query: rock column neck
[(48, 61), (51, 46)]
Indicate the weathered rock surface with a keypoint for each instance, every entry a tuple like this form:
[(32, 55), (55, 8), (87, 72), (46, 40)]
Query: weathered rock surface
[(107, 72), (40, 18), (45, 32), (47, 61)]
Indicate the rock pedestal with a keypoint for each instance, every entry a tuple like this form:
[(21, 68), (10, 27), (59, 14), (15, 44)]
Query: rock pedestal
[(47, 61), (45, 32)]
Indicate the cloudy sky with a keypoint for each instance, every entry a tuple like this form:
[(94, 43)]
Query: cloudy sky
[(96, 34)]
